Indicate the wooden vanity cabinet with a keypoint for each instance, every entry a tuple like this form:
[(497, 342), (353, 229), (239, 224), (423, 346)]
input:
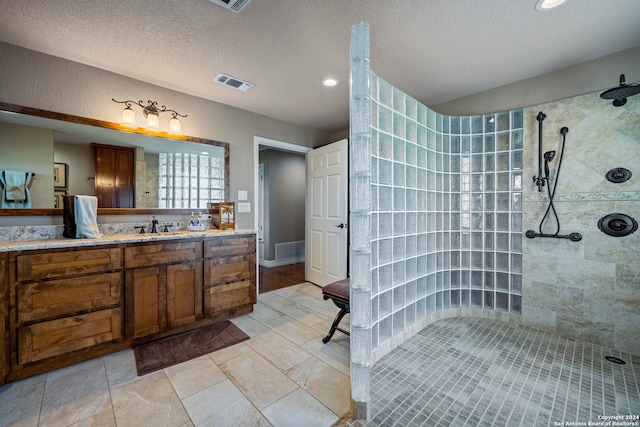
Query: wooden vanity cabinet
[(65, 301), (168, 292), (65, 305), (229, 276), (4, 320)]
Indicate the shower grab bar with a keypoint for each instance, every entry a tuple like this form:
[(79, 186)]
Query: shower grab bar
[(574, 237)]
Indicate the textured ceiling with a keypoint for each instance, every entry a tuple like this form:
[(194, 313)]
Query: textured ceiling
[(434, 50)]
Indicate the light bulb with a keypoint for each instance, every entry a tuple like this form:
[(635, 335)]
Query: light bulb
[(128, 118), (174, 126), (152, 122)]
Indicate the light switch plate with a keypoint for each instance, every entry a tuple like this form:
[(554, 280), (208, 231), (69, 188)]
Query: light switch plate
[(242, 195), (244, 207)]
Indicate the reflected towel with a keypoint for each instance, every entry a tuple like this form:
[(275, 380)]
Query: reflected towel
[(16, 185), (86, 216), (15, 189), (69, 216)]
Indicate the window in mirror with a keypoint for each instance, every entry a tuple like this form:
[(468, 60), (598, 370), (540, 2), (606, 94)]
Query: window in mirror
[(190, 180)]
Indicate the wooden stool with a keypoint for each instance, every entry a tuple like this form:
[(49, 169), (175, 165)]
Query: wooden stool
[(338, 292)]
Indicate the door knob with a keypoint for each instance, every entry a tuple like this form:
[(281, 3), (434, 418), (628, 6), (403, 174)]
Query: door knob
[(341, 226)]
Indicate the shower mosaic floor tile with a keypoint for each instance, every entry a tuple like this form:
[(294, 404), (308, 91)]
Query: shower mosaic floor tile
[(479, 372)]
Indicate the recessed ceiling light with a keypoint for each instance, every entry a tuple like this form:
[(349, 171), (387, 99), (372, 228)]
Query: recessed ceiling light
[(545, 5), (330, 82)]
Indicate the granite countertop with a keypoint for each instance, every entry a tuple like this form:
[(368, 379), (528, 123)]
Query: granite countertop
[(23, 245)]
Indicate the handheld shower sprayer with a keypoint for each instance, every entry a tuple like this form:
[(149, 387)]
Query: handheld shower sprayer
[(548, 157)]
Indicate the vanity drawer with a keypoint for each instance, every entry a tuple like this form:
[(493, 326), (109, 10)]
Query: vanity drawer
[(52, 265), (161, 253), (229, 245), (227, 270), (57, 337), (228, 297), (65, 297)]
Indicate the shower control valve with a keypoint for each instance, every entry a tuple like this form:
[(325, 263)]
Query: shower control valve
[(539, 181)]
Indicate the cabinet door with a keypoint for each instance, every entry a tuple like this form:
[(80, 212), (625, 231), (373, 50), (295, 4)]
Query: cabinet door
[(125, 178), (105, 180), (114, 176), (146, 301), (184, 293)]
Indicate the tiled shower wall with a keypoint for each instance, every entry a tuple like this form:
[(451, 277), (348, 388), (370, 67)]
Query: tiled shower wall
[(587, 290)]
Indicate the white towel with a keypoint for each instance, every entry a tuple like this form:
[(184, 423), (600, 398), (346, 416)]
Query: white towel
[(86, 216)]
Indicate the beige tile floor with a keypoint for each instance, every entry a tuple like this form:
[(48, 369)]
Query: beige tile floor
[(283, 376)]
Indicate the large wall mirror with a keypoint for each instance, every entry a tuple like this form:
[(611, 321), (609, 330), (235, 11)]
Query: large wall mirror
[(57, 152)]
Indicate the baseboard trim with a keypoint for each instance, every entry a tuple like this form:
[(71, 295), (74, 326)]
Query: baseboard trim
[(280, 262)]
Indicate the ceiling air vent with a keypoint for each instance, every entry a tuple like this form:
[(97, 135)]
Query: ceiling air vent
[(235, 5), (227, 80)]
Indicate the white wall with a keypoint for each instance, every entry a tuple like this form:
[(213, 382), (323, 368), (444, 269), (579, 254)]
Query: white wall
[(18, 144), (79, 159)]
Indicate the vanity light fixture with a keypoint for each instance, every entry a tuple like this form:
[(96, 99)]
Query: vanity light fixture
[(151, 112), (546, 5)]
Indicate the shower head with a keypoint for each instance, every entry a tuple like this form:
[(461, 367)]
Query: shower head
[(549, 155), (619, 94)]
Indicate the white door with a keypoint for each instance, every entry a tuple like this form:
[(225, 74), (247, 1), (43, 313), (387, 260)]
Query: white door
[(327, 213)]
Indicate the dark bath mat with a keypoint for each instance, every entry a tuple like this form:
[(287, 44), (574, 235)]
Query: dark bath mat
[(165, 352)]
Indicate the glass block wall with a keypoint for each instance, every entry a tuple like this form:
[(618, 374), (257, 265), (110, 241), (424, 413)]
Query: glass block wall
[(446, 211), (440, 221)]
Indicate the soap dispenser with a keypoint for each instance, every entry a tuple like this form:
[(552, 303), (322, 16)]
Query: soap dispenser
[(192, 221), (199, 222)]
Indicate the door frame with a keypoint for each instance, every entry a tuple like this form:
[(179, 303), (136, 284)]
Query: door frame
[(259, 141)]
